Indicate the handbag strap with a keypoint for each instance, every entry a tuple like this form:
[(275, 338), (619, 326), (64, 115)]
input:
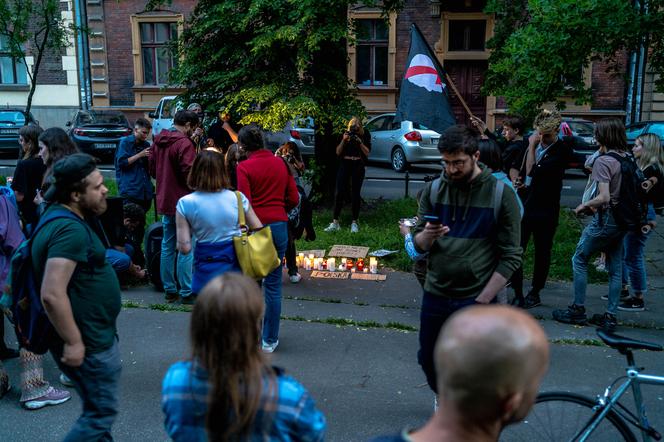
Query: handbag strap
[(240, 210)]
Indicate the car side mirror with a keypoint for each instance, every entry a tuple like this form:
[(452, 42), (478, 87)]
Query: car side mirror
[(68, 123), (152, 115)]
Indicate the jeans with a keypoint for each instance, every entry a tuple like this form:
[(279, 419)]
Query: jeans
[(634, 268), (435, 311), (118, 260), (542, 231), (601, 235), (96, 382), (272, 285), (184, 262), (353, 170)]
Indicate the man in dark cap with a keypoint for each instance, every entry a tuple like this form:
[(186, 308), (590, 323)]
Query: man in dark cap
[(80, 292)]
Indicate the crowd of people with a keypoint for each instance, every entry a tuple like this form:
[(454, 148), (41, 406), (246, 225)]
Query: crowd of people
[(483, 363)]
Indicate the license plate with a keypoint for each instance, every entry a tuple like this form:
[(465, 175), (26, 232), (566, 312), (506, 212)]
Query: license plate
[(104, 145), (434, 141), (8, 131)]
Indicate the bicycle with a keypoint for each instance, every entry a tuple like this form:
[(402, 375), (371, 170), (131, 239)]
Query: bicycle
[(564, 416)]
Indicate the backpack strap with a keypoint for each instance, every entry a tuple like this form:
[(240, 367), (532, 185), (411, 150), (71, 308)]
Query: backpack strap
[(435, 188), (498, 198), (62, 214)]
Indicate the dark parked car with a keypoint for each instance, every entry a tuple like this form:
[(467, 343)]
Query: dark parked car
[(644, 127), (583, 141), (11, 120), (98, 132)]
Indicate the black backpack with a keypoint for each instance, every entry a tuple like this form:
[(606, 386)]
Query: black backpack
[(33, 329), (632, 209)]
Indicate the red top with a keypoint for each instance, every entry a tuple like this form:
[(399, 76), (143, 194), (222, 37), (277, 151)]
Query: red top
[(170, 160), (265, 180)]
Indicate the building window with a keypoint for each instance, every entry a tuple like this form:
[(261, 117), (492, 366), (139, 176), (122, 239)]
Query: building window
[(155, 52), (371, 59), (467, 35), (12, 71)]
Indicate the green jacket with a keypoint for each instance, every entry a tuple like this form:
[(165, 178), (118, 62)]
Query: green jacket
[(477, 245)]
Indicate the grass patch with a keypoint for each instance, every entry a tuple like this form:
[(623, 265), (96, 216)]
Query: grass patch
[(132, 304), (345, 322), (171, 307), (573, 341), (379, 230)]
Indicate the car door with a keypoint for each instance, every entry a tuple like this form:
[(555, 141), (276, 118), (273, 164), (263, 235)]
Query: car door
[(164, 118), (378, 138)]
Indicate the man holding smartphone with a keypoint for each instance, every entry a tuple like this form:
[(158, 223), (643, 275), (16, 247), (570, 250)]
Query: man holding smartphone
[(131, 166), (471, 230)]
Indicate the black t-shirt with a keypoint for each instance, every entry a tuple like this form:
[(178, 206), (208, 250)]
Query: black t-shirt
[(656, 194), (27, 179)]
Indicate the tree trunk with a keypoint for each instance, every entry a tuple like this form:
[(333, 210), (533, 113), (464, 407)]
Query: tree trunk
[(35, 69)]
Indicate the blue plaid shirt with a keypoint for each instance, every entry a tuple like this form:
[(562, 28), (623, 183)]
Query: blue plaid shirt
[(184, 400)]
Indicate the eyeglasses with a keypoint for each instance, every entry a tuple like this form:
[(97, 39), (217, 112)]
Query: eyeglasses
[(457, 164)]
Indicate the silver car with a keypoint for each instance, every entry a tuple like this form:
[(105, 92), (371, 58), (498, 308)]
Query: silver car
[(401, 144), (300, 131)]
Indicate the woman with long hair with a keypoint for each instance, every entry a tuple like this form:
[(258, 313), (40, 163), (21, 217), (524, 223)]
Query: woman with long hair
[(54, 144), (227, 391), (353, 151), (211, 215), (234, 156), (648, 153), (29, 174)]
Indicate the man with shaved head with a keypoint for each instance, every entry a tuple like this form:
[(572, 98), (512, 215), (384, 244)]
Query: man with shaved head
[(489, 364)]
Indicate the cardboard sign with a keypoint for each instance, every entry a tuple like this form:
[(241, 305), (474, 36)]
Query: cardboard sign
[(349, 251), (316, 253), (368, 276), (329, 275)]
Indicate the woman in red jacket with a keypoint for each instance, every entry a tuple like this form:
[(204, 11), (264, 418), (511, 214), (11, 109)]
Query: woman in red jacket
[(265, 180)]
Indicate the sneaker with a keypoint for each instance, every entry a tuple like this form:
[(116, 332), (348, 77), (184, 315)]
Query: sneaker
[(632, 305), (574, 314), (270, 348), (188, 300), (532, 300), (333, 227), (354, 228), (607, 321), (295, 278), (64, 380), (171, 297), (624, 296), (53, 397)]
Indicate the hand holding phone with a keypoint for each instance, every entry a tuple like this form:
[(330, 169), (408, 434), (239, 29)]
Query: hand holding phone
[(433, 219)]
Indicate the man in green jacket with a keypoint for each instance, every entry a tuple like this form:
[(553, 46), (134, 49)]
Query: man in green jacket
[(471, 230)]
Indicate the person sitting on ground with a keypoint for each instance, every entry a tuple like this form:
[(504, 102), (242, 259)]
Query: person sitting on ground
[(228, 390), (489, 364)]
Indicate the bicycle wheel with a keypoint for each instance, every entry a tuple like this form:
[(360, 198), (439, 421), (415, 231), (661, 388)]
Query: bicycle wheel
[(559, 416)]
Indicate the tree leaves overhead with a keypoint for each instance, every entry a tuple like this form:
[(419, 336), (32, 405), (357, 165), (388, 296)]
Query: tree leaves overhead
[(269, 61), (540, 46)]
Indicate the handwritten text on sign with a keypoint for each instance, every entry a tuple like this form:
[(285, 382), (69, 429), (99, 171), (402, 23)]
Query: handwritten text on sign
[(349, 251)]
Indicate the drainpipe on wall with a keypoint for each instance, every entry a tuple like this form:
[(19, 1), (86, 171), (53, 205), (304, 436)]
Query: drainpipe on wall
[(83, 54), (637, 71), (630, 89)]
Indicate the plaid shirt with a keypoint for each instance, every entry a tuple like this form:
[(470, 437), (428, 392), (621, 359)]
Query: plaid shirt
[(184, 400)]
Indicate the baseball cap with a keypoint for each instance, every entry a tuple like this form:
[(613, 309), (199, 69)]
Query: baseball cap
[(69, 170)]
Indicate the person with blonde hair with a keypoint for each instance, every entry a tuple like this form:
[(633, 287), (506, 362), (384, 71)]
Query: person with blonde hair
[(228, 390), (649, 157), (547, 157), (353, 151)]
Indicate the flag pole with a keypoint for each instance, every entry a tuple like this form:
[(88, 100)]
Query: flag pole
[(440, 68), (456, 91)]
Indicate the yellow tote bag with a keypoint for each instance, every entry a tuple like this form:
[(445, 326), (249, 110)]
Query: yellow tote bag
[(255, 253)]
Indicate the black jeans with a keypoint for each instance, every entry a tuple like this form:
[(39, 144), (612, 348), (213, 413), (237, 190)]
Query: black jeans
[(291, 263), (353, 170), (435, 311), (542, 230)]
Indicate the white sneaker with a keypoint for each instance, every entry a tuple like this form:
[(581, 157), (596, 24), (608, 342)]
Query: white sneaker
[(270, 348), (354, 228), (333, 227), (295, 278)]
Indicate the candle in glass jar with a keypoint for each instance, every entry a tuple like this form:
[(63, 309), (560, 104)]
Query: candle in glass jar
[(349, 264), (300, 258), (331, 264), (352, 269), (360, 265), (307, 264), (373, 265), (366, 270)]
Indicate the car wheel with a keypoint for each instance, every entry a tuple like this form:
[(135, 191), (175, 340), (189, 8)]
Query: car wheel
[(399, 162)]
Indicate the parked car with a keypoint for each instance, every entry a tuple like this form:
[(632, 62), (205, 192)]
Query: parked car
[(162, 117), (644, 127), (98, 132), (402, 143), (583, 141), (299, 131), (11, 120)]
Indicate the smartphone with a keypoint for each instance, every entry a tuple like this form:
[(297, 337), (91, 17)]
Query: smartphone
[(433, 219)]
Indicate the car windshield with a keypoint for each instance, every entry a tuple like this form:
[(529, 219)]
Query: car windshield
[(304, 123), (582, 129), (92, 117), (420, 126), (12, 118)]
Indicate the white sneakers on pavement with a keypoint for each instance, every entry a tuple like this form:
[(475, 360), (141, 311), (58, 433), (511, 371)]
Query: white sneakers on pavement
[(354, 228), (294, 279), (333, 227)]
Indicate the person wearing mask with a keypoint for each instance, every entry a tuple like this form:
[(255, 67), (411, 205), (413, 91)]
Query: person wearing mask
[(28, 175), (268, 185), (228, 390), (353, 152)]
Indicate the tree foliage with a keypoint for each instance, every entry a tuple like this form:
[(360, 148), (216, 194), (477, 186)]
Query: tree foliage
[(33, 27), (540, 46)]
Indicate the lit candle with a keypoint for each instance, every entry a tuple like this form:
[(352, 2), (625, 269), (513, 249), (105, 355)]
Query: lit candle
[(349, 264), (373, 265), (311, 256), (343, 261), (307, 264), (342, 267), (366, 270), (331, 264), (360, 265), (352, 269), (300, 258)]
